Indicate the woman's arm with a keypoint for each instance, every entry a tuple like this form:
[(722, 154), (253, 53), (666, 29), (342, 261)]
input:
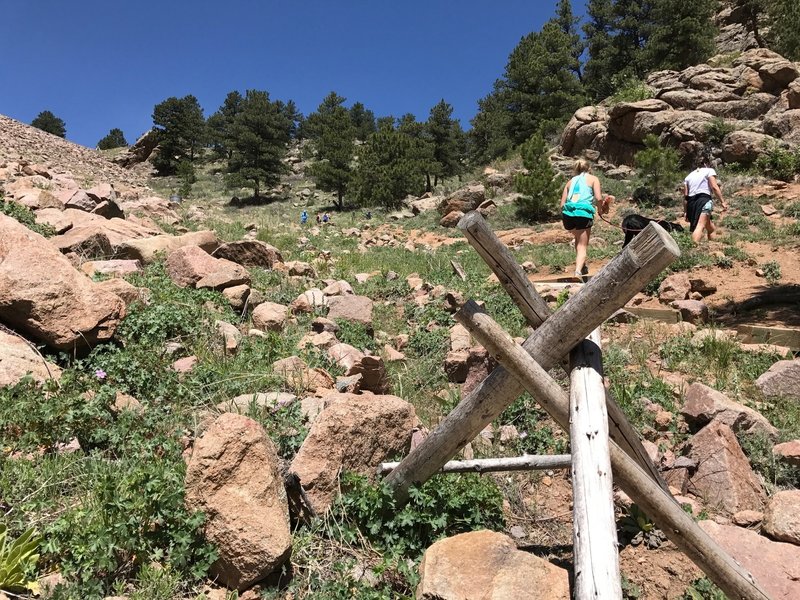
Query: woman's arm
[(564, 194), (712, 183), (598, 195), (685, 200)]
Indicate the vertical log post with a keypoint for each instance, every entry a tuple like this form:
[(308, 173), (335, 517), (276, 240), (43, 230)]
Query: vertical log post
[(621, 279), (596, 562), (535, 310), (678, 526)]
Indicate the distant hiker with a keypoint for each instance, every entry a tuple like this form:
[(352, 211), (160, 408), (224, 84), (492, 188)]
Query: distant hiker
[(319, 219), (577, 210), (368, 215), (325, 218), (697, 203), (303, 218)]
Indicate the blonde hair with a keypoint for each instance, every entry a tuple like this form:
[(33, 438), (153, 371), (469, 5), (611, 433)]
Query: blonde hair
[(580, 166)]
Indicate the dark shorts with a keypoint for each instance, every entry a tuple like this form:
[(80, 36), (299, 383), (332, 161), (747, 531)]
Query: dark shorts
[(571, 223), (694, 208)]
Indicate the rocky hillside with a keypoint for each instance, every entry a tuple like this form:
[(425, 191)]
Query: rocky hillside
[(22, 143), (736, 111)]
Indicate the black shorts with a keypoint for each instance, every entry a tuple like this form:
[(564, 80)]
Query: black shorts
[(571, 223), (694, 208)]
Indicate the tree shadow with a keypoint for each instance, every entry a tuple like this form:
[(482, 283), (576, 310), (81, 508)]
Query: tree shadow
[(777, 304)]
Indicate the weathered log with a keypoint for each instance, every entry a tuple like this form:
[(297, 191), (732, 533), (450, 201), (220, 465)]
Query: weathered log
[(621, 279), (659, 505), (535, 310), (493, 465), (596, 563)]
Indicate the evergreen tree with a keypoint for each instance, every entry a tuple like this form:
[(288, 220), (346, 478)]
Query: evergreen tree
[(259, 137), (447, 139), (421, 150), (682, 34), (540, 89), (363, 120), (47, 121), (540, 186), (114, 139), (295, 116), (602, 61), (312, 126), (784, 20), (387, 169), (568, 23), (220, 123), (335, 145), (181, 131)]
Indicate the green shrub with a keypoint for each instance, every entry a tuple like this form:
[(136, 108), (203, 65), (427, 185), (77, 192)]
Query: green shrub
[(717, 129), (772, 272), (442, 506), (703, 589), (658, 165), (779, 163), (792, 210), (629, 89), (540, 186), (25, 216), (18, 559), (355, 334)]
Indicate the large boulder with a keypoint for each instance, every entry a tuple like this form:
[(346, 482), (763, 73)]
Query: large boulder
[(485, 564), (353, 433), (704, 404), (233, 477), (465, 199), (249, 253), (774, 565), (43, 295), (723, 477), (270, 316), (782, 517), (148, 249), (782, 379), (745, 146), (18, 358), (371, 369), (191, 266)]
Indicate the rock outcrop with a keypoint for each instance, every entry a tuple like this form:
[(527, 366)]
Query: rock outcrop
[(18, 359), (752, 96)]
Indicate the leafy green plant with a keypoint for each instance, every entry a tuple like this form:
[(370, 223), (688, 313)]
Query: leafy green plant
[(18, 560), (772, 272), (355, 334), (658, 165), (717, 129), (638, 528), (629, 89), (441, 506), (703, 589), (792, 210), (779, 163), (25, 216)]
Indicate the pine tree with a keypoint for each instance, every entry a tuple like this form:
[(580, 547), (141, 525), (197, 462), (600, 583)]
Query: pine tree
[(363, 120), (335, 145), (114, 139), (259, 137), (219, 124), (784, 19), (682, 34), (489, 137), (421, 151), (540, 187), (312, 126), (47, 121), (181, 132), (387, 169), (568, 23), (602, 62), (447, 139)]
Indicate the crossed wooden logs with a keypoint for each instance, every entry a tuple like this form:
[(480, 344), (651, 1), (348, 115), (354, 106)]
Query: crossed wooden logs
[(525, 368)]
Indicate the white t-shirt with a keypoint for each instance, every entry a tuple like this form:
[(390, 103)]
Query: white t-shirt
[(697, 181)]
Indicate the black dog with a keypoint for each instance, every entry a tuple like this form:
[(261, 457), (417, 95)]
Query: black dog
[(633, 224)]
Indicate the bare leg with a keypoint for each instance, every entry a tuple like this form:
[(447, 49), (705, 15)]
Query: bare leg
[(710, 228), (581, 246), (697, 234)]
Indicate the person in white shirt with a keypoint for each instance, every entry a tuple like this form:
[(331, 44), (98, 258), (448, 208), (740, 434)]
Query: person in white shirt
[(697, 203)]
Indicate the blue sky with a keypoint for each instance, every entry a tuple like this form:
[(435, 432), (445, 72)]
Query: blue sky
[(99, 64)]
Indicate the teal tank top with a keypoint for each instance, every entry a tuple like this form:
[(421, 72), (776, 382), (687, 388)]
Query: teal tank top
[(580, 198)]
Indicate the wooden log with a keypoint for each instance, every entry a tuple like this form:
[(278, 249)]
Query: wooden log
[(500, 260), (776, 336), (594, 531), (659, 505), (620, 280), (493, 465), (458, 270), (535, 309)]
